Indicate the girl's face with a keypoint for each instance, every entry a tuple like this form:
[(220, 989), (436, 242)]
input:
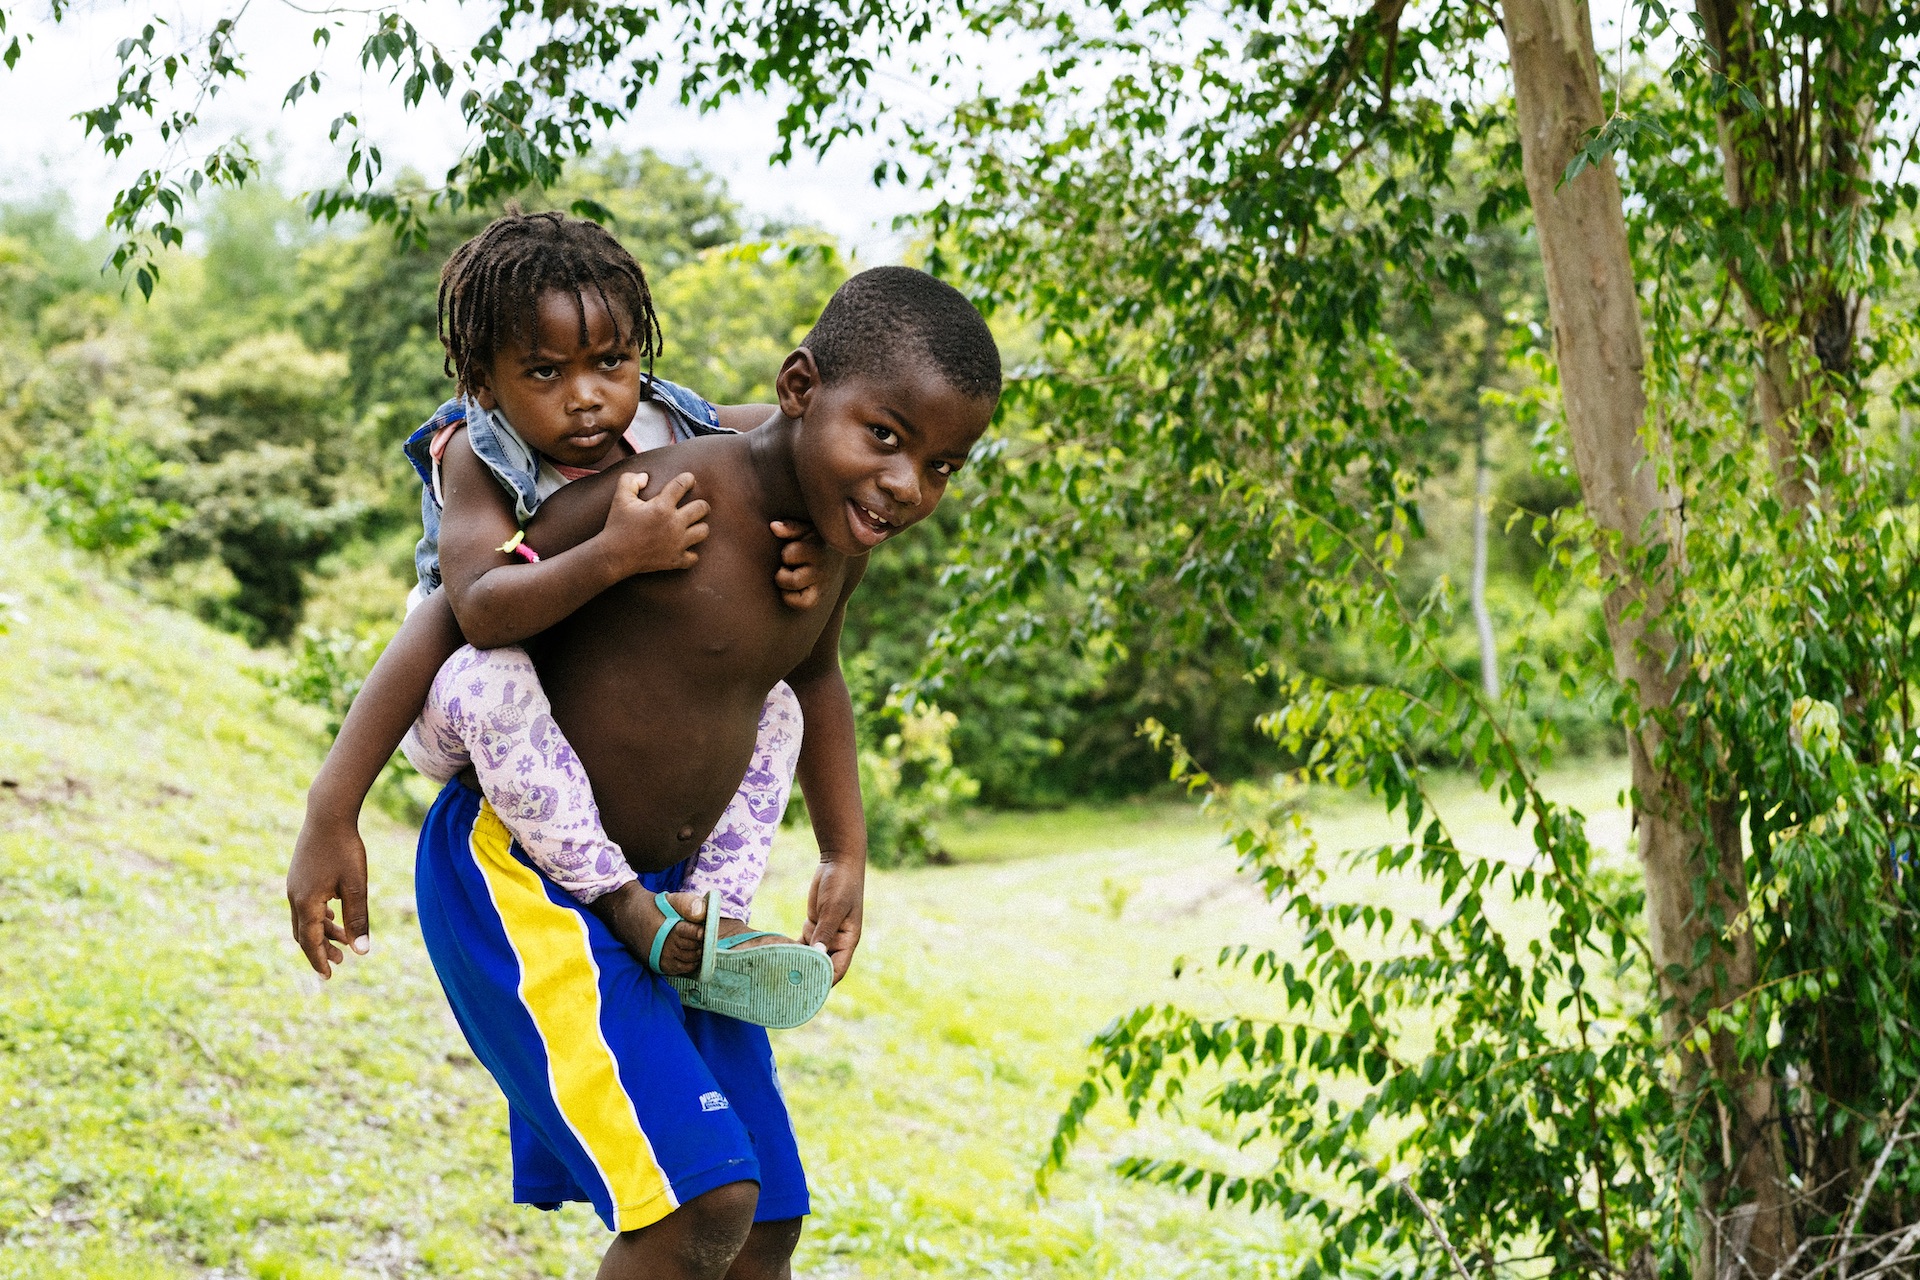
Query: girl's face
[(574, 394)]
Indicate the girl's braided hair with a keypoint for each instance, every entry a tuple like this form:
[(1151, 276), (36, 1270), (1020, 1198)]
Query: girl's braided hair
[(492, 284)]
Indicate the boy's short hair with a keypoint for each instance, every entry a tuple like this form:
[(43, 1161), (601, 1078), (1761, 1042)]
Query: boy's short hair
[(887, 313), (491, 287)]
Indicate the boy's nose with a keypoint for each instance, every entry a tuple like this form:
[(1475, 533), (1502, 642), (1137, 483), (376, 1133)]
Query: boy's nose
[(902, 486)]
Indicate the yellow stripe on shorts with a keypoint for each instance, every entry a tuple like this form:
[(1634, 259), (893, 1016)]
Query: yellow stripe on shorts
[(560, 987)]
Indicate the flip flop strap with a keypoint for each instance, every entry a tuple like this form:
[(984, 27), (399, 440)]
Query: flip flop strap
[(666, 927), (728, 944)]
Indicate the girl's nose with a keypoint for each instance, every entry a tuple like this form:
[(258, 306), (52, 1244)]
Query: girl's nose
[(583, 394)]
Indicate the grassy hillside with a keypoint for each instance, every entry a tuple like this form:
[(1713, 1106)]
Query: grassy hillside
[(180, 1097)]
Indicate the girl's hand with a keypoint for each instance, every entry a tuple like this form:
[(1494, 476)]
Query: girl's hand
[(329, 864), (798, 577), (648, 535)]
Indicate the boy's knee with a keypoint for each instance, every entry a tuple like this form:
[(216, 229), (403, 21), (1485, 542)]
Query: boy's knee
[(700, 1239), (716, 1224), (768, 1252)]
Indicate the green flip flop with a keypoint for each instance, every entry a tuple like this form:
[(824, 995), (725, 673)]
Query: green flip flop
[(779, 985)]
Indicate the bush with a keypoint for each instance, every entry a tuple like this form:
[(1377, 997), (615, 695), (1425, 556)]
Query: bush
[(327, 670), (98, 492), (910, 784)]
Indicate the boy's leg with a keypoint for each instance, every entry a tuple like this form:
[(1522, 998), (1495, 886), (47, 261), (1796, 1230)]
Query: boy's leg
[(734, 858), (698, 1241), (768, 1252), (588, 1047), (740, 1055)]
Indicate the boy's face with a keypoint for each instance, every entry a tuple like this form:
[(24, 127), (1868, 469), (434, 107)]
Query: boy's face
[(876, 454), (569, 399)]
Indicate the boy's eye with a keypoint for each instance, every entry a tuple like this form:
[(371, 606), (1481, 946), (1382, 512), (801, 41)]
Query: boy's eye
[(613, 361), (543, 373), (885, 435)]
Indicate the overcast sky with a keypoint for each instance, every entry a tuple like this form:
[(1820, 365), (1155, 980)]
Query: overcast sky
[(70, 67)]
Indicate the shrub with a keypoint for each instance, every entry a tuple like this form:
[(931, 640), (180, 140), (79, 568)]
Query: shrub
[(98, 492), (910, 784)]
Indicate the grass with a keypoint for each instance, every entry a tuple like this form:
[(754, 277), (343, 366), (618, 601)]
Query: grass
[(180, 1098)]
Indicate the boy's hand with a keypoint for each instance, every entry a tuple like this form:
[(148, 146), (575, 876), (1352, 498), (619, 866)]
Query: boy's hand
[(835, 906), (647, 535), (798, 577), (329, 861)]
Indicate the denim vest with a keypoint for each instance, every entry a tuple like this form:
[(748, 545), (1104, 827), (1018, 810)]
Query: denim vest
[(515, 465)]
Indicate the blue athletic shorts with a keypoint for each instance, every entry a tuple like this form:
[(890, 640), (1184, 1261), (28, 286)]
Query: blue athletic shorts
[(616, 1094)]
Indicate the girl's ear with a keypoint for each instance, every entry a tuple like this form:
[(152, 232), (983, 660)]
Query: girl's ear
[(798, 381), (482, 394)]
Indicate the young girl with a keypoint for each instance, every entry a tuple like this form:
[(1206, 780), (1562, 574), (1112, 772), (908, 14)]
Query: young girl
[(544, 319)]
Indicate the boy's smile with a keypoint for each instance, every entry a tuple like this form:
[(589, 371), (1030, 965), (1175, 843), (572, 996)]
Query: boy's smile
[(574, 390)]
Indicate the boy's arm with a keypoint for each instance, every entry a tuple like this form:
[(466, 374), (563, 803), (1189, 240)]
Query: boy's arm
[(329, 860), (829, 772), (500, 598)]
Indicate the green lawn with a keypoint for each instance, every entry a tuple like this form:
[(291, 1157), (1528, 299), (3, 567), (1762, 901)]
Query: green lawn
[(179, 1097)]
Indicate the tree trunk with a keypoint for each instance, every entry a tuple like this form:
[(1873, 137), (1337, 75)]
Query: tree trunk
[(1594, 305), (1767, 161), (1482, 616)]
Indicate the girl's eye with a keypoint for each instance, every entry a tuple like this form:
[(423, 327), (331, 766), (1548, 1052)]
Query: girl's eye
[(612, 361), (543, 373), (944, 468), (885, 435)]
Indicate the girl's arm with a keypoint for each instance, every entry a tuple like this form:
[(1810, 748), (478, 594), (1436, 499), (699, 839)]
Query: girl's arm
[(329, 860), (829, 774), (745, 417), (501, 598)]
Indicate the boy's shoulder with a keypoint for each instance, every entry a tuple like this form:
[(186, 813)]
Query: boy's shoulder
[(718, 453)]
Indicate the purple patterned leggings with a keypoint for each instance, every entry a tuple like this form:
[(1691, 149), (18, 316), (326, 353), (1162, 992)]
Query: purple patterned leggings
[(487, 709)]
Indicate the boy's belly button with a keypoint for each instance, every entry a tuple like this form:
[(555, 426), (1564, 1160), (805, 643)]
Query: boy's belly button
[(685, 833)]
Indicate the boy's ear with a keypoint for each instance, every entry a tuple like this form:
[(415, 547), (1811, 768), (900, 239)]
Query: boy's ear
[(798, 381)]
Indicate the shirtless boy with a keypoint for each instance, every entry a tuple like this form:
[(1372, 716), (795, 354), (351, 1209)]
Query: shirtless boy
[(669, 1120)]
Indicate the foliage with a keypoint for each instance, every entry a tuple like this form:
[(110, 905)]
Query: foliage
[(1187, 473), (327, 671), (273, 483), (732, 314), (910, 786), (909, 783), (535, 88), (41, 263), (97, 492)]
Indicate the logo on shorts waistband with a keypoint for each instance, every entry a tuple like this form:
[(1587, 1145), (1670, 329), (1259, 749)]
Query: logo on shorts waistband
[(713, 1101)]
